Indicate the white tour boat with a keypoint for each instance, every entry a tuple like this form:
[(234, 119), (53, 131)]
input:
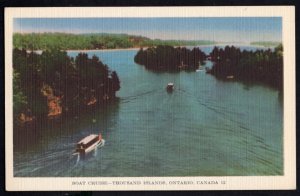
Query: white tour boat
[(89, 143)]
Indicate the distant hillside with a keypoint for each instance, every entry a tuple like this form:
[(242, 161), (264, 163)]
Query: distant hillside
[(266, 44), (64, 41)]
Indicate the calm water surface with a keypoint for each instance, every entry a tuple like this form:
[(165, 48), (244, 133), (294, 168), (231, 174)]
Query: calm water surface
[(206, 127)]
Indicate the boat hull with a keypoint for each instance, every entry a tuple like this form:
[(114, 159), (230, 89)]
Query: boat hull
[(99, 143)]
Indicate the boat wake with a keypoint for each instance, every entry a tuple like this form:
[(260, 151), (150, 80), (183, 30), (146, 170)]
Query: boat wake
[(137, 96), (212, 105), (77, 160)]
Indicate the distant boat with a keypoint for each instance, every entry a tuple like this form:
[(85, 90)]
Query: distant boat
[(201, 68), (230, 77), (183, 66), (170, 86), (89, 143)]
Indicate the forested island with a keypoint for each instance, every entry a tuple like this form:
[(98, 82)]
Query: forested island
[(51, 84), (230, 63), (168, 58), (264, 66), (67, 41)]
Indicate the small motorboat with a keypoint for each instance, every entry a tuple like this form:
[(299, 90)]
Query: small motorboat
[(89, 143), (230, 77), (201, 68), (170, 86)]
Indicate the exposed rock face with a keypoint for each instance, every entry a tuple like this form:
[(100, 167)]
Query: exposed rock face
[(23, 118), (54, 107), (92, 101), (54, 102), (51, 85)]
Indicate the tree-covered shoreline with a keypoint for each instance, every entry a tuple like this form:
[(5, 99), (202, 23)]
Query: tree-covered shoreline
[(67, 41), (168, 58), (229, 63), (265, 43), (51, 84), (264, 66)]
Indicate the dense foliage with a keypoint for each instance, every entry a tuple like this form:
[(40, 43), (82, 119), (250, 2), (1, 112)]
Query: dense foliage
[(52, 83), (170, 58), (264, 66), (63, 41)]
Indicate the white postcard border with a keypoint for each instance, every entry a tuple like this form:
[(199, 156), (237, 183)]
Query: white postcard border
[(287, 181)]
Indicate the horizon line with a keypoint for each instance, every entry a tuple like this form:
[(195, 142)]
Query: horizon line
[(107, 33)]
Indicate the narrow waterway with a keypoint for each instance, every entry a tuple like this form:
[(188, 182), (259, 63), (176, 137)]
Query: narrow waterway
[(206, 127)]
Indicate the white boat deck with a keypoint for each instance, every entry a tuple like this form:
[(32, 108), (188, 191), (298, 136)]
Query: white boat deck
[(87, 139)]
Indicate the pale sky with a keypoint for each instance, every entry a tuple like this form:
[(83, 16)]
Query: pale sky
[(221, 29)]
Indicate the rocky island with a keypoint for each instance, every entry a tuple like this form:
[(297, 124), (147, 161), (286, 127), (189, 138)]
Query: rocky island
[(51, 84)]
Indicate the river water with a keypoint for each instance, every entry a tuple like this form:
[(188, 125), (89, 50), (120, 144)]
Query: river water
[(206, 127)]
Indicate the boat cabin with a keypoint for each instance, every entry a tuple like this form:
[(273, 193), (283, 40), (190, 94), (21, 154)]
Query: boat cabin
[(87, 143), (170, 86)]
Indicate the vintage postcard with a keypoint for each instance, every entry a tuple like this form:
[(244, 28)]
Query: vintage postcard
[(150, 98)]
